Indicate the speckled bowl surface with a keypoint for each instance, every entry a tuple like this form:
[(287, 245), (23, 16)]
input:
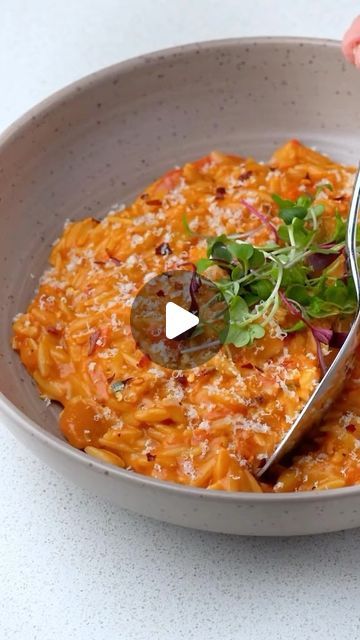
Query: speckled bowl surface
[(98, 142)]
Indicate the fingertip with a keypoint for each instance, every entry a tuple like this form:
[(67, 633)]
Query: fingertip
[(356, 56), (351, 40)]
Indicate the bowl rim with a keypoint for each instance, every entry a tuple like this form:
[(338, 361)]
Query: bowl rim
[(14, 415)]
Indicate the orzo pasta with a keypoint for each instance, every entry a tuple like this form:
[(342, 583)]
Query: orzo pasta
[(213, 425)]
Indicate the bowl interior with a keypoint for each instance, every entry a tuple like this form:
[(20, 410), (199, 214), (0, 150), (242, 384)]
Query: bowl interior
[(102, 140)]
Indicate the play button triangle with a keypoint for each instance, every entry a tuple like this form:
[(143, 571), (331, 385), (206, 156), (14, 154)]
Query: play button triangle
[(164, 328), (178, 320)]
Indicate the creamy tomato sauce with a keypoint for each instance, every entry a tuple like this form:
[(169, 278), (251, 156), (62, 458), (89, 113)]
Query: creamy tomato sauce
[(214, 425)]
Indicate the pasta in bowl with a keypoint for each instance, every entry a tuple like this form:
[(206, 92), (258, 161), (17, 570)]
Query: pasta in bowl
[(214, 425)]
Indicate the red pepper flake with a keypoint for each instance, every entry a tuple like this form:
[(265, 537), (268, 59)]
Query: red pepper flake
[(154, 203), (220, 193), (94, 337), (182, 380), (113, 258), (351, 428), (245, 176), (144, 361), (160, 293), (163, 249), (205, 372), (53, 330), (150, 457)]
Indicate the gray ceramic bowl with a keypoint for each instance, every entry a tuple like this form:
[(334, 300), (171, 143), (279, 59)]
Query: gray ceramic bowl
[(99, 142)]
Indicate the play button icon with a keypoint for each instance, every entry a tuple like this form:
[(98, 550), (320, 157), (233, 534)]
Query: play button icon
[(179, 319)]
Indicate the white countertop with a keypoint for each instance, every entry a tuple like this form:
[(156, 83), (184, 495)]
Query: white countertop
[(72, 566)]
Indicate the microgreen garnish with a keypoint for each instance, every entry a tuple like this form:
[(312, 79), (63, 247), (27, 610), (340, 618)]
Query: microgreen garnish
[(186, 226), (261, 216), (295, 271)]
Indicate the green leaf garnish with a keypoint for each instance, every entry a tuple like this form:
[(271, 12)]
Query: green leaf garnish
[(220, 252), (337, 293), (256, 280), (256, 331), (288, 214), (263, 288), (241, 251), (294, 275), (203, 264), (237, 272), (186, 226), (297, 326), (283, 204), (238, 336), (238, 309), (257, 259), (302, 208), (340, 229), (299, 293), (317, 209)]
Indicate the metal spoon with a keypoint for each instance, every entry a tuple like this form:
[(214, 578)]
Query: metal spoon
[(333, 381)]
